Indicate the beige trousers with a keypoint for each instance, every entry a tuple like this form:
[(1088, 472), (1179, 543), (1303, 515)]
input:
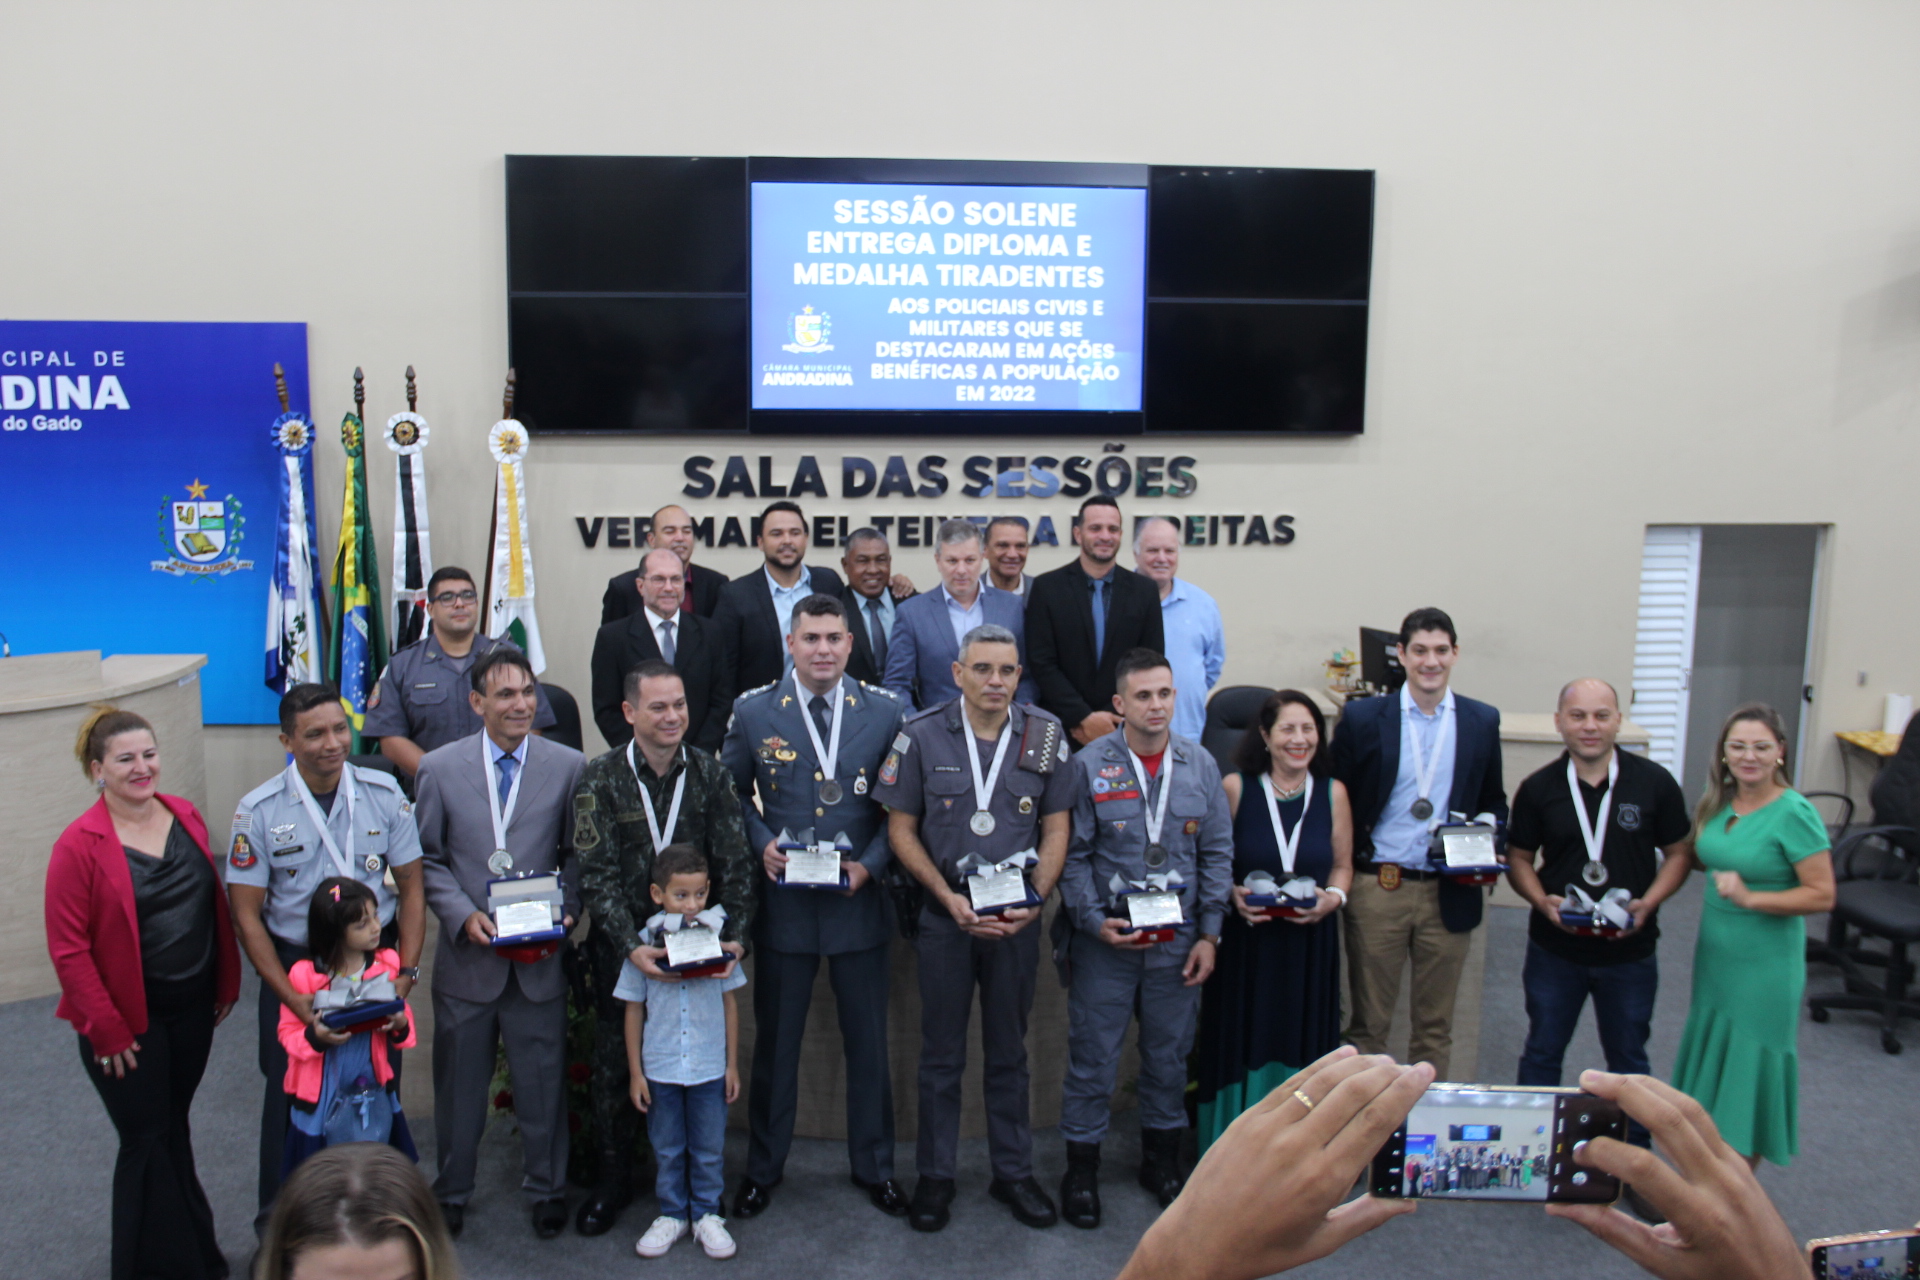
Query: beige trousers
[(1384, 929)]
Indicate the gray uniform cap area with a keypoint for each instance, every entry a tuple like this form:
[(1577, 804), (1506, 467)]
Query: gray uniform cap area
[(422, 695)]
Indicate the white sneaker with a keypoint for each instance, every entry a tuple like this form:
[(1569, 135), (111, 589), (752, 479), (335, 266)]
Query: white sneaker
[(711, 1232), (661, 1237)]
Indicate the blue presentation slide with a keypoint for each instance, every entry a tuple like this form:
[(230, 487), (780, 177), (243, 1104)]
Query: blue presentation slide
[(900, 296), (138, 461)]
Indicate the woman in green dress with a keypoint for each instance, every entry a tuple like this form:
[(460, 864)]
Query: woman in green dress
[(1765, 849)]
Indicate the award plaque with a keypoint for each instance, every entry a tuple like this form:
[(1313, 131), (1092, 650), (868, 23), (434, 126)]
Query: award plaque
[(1296, 897), (1467, 853), (996, 890), (516, 919), (692, 946), (526, 910), (1156, 909), (814, 866)]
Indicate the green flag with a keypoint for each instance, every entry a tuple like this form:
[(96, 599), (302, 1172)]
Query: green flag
[(357, 653)]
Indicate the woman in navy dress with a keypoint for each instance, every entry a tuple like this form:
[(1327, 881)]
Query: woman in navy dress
[(1273, 1004)]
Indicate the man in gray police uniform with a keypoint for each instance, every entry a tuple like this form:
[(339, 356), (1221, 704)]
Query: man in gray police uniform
[(1147, 804), (977, 780), (812, 742), (421, 700), (318, 817)]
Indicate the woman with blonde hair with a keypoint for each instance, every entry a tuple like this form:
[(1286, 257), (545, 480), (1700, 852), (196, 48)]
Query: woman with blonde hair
[(356, 1212), (142, 945), (1769, 864)]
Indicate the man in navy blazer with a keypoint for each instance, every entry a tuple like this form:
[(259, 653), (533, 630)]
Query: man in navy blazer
[(1409, 760), (927, 628), (751, 618)]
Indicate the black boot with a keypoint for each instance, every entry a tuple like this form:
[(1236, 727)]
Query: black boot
[(1080, 1189), (1160, 1163), (611, 1194)]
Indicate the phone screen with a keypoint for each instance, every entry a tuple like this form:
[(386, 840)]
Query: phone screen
[(1887, 1258), (1470, 1142)]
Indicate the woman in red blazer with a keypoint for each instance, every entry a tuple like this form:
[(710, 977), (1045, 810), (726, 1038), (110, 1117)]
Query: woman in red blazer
[(141, 941)]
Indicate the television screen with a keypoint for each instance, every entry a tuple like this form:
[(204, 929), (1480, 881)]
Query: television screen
[(926, 297)]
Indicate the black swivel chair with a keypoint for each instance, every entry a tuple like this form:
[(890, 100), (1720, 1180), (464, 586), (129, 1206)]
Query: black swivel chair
[(384, 765), (566, 717), (1229, 712), (1878, 894)]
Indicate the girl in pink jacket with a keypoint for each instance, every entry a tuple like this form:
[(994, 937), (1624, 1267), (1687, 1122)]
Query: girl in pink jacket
[(340, 1067)]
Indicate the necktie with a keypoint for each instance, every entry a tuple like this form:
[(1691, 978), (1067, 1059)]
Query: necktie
[(877, 632), (819, 705), (507, 765), (1099, 617), (666, 640)]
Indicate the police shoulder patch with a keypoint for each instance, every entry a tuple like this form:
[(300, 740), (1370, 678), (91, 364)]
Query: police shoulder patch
[(241, 856)]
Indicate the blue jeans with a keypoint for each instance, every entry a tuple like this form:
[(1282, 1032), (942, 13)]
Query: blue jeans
[(1557, 991), (687, 1125)]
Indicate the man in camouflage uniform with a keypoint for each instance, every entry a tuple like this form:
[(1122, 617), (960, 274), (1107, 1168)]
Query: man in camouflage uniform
[(632, 802)]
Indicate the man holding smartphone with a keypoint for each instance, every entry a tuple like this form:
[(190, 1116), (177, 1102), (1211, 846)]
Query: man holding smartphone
[(1599, 821)]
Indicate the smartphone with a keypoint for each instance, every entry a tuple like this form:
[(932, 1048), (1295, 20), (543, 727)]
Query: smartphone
[(1871, 1255), (1479, 1142)]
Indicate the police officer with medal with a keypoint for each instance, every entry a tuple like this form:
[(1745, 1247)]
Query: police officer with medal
[(420, 702), (981, 797), (1149, 813), (319, 817), (812, 744)]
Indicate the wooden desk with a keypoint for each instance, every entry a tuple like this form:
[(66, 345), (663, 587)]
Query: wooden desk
[(1876, 744)]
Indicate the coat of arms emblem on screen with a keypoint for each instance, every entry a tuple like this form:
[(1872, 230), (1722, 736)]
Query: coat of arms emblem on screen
[(201, 535), (809, 330)]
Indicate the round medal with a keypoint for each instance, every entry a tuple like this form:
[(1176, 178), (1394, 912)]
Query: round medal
[(1594, 873), (831, 792), (1422, 808), (373, 862), (500, 863), (1156, 855), (981, 823)]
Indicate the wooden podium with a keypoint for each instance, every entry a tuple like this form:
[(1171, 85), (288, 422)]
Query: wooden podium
[(43, 699)]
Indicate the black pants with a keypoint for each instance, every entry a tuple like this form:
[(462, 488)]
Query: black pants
[(275, 1107), (162, 1224)]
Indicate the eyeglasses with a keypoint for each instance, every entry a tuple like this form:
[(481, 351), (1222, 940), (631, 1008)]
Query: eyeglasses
[(457, 597)]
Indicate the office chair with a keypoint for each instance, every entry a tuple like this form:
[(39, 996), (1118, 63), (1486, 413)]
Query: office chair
[(1229, 712)]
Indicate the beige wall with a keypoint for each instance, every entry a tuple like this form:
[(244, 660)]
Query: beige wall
[(1634, 263)]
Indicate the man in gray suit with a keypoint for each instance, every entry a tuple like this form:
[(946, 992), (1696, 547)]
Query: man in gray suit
[(926, 632), (497, 802), (812, 743)]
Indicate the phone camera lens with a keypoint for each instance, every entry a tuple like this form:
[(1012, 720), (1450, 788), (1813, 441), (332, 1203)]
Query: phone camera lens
[(1579, 1179), (1585, 1118)]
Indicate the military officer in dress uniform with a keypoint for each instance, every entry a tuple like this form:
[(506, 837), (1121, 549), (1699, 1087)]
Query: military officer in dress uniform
[(812, 743), (1149, 813), (421, 700), (974, 784), (319, 817)]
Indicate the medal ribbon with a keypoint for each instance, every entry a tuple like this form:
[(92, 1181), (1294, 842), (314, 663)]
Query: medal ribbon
[(1595, 841), (983, 788), (660, 835), (830, 753), (1289, 844), (1424, 765), (320, 819), (501, 817), (1156, 814)]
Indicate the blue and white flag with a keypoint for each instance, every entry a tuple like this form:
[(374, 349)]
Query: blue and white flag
[(294, 622)]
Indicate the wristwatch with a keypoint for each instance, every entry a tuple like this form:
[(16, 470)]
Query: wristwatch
[(411, 973)]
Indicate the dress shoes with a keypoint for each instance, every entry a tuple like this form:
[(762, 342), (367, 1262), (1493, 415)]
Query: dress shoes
[(549, 1217), (614, 1193), (455, 1216), (931, 1198), (1028, 1202), (753, 1198), (886, 1195)]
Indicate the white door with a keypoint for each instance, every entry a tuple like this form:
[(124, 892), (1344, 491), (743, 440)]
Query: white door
[(1663, 640)]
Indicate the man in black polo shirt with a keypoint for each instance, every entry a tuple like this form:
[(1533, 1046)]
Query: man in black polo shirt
[(1633, 811)]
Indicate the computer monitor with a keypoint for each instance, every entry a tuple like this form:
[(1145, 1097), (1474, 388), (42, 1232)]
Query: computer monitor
[(1379, 666)]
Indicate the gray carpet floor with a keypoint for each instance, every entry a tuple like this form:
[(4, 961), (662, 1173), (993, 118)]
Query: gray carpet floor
[(1859, 1139)]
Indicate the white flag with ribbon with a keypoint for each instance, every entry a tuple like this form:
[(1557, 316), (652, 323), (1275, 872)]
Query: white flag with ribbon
[(412, 550), (509, 589), (294, 620)]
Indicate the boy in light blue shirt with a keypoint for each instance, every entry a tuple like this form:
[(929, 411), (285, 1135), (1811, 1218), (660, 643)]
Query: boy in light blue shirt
[(683, 1060)]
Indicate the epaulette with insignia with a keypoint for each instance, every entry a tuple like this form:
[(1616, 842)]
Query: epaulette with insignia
[(265, 791), (1040, 745), (753, 692), (376, 777), (880, 689)]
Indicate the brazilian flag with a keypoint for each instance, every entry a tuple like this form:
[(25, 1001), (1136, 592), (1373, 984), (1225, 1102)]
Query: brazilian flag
[(357, 652)]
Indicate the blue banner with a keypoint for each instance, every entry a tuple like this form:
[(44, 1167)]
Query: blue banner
[(144, 485), (878, 296)]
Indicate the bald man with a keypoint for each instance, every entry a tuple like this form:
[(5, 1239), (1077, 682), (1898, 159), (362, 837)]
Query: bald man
[(670, 527), (1599, 820)]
